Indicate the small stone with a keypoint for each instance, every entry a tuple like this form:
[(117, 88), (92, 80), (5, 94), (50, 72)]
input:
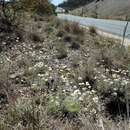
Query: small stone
[(4, 43), (87, 83), (95, 99), (80, 78), (80, 84), (114, 75), (75, 87), (50, 69), (114, 94), (89, 87), (84, 89), (81, 98)]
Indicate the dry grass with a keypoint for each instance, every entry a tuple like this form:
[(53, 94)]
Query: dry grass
[(68, 63), (73, 28)]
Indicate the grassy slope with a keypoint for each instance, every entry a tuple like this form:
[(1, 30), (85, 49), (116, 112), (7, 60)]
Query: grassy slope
[(108, 9), (51, 61)]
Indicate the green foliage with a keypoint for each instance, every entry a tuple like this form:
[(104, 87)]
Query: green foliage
[(27, 113), (58, 104), (54, 104), (37, 6), (62, 51), (71, 105), (14, 11)]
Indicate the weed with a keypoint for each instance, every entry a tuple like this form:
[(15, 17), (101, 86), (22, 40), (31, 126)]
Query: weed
[(73, 28), (27, 114), (92, 30), (60, 33), (68, 38), (62, 51), (76, 29), (87, 73), (54, 104), (75, 45), (63, 105), (71, 105), (36, 38)]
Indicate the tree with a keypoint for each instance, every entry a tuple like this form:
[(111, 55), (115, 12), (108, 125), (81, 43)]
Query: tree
[(13, 10), (37, 6)]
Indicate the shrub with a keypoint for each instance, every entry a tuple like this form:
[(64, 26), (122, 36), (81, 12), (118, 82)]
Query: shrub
[(87, 73), (75, 45), (54, 105), (27, 113), (71, 105), (92, 30), (60, 33), (73, 40), (44, 7), (68, 38), (35, 37), (73, 28), (115, 97), (61, 105), (37, 6), (62, 51), (57, 23), (76, 29)]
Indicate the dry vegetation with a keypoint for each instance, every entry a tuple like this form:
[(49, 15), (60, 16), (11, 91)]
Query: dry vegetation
[(56, 75)]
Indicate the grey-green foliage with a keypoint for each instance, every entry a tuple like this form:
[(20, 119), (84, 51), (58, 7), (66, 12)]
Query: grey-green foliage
[(59, 105), (27, 113), (62, 51), (54, 104), (71, 105)]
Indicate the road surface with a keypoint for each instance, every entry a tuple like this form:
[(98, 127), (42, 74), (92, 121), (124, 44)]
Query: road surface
[(114, 27)]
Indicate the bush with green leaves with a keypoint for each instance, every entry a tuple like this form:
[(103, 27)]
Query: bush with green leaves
[(15, 10), (54, 104), (70, 105), (61, 50), (57, 104), (27, 113), (92, 30), (37, 6)]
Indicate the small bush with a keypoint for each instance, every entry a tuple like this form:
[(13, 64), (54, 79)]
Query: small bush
[(73, 28), (66, 27), (68, 38), (60, 33), (87, 73), (37, 6), (115, 97), (27, 113), (75, 45), (60, 105), (92, 30), (57, 23), (49, 29), (76, 29), (74, 41), (54, 105), (62, 51), (35, 37), (71, 105)]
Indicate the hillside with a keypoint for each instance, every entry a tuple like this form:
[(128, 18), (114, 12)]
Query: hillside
[(117, 9), (56, 75)]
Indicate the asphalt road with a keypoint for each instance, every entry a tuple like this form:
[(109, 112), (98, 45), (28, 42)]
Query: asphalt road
[(115, 27)]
